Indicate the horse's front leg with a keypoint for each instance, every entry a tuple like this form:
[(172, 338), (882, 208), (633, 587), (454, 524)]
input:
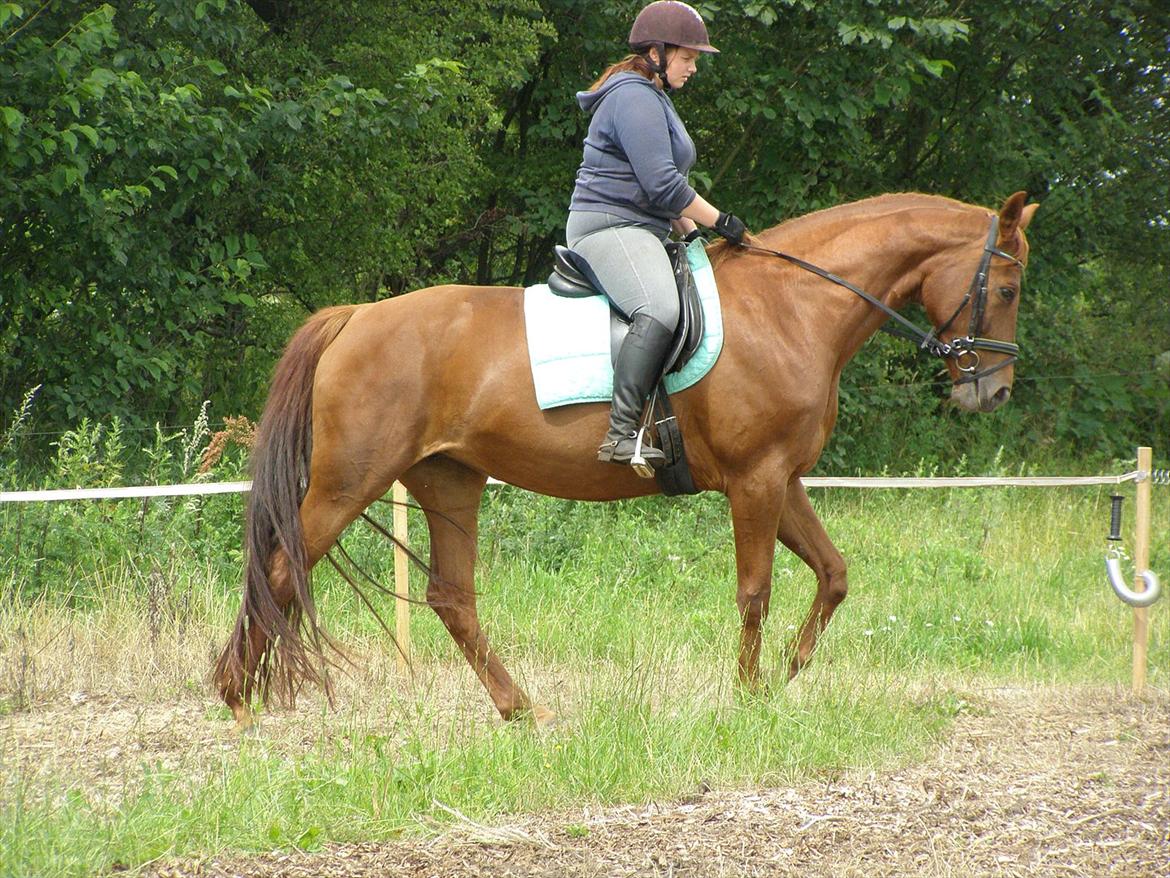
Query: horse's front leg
[(755, 516), (802, 532)]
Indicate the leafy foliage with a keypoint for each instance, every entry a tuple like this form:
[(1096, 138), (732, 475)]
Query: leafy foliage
[(179, 187), (180, 183)]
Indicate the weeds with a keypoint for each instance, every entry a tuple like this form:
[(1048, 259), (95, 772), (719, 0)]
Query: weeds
[(44, 545), (237, 431), (12, 433), (30, 670)]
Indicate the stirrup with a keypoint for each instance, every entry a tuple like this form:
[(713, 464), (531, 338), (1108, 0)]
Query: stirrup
[(641, 466), (643, 458)]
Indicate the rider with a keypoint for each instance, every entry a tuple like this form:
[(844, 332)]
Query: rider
[(631, 191)]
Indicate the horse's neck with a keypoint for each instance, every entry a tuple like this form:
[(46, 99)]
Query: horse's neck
[(883, 255)]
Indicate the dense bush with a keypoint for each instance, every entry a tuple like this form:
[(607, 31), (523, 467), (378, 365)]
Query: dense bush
[(181, 183)]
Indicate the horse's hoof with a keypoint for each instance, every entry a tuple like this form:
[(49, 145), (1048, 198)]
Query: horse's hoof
[(245, 723), (544, 719), (797, 664), (755, 690)]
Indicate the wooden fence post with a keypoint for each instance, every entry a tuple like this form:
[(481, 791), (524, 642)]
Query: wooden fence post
[(401, 578), (1141, 615)]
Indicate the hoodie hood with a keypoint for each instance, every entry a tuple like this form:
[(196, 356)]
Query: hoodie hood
[(588, 100)]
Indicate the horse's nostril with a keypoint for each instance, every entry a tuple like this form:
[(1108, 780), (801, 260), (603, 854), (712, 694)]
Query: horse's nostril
[(990, 402)]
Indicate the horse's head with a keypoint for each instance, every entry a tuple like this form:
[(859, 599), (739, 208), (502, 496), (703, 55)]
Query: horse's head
[(972, 296)]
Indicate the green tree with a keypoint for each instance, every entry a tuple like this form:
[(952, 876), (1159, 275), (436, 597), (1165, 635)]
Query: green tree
[(182, 182), (124, 138)]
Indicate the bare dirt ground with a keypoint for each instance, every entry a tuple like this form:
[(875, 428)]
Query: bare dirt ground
[(1029, 782)]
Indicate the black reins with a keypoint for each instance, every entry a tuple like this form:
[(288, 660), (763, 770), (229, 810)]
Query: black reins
[(963, 350)]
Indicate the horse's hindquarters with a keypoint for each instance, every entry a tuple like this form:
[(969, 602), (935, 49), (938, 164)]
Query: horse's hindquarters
[(445, 372)]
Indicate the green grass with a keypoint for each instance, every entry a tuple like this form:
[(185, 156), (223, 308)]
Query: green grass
[(621, 617), (361, 786)]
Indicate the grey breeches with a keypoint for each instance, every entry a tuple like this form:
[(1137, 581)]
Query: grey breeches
[(630, 262)]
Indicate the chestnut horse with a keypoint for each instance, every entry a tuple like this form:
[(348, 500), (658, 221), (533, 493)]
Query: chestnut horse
[(434, 389)]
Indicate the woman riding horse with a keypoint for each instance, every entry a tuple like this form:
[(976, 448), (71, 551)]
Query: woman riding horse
[(369, 394), (631, 190)]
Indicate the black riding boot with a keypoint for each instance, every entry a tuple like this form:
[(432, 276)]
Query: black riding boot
[(637, 370)]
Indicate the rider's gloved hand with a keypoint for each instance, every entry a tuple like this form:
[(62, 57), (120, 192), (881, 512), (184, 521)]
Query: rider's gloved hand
[(731, 227), (693, 235)]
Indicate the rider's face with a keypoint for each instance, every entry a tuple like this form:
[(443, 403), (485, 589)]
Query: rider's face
[(680, 65)]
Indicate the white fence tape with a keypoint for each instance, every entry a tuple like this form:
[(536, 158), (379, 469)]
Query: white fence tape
[(968, 481), (122, 493), (811, 482)]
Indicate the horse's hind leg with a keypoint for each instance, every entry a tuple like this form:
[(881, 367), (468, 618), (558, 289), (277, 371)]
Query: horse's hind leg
[(449, 494), (273, 646), (802, 532), (324, 513)]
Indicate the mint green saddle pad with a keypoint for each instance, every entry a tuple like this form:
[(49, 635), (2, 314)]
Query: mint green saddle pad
[(568, 341)]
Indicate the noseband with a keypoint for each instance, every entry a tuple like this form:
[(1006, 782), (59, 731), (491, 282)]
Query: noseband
[(964, 350)]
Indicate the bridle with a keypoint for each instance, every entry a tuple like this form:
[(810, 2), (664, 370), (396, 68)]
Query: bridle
[(963, 350)]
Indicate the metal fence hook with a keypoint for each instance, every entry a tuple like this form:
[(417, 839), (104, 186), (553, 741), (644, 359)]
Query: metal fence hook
[(1131, 597), (1113, 565)]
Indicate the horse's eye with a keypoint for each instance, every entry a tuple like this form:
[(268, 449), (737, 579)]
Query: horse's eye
[(1008, 293)]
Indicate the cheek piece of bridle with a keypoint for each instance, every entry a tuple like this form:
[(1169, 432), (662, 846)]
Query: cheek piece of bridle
[(964, 350)]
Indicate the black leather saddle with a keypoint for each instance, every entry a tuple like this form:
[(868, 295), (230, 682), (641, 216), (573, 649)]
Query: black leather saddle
[(572, 277)]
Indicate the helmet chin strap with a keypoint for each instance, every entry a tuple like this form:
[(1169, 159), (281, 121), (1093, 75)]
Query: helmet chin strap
[(660, 67)]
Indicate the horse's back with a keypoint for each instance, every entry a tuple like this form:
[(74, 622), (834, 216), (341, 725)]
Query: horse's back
[(441, 331), (449, 309), (453, 354)]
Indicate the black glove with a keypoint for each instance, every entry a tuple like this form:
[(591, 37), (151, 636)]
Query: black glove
[(731, 227), (693, 235)]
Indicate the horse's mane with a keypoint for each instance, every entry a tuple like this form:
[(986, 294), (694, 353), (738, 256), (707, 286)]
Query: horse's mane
[(853, 211)]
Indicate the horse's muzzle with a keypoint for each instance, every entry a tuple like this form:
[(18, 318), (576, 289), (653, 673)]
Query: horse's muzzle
[(981, 396)]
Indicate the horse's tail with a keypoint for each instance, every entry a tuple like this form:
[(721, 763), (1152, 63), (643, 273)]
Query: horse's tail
[(292, 647)]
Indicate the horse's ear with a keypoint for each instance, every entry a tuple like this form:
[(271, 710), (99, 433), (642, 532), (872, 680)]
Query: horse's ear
[(1026, 216), (1015, 215)]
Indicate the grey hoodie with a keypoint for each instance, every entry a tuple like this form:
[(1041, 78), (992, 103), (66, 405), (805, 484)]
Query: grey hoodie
[(637, 153)]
